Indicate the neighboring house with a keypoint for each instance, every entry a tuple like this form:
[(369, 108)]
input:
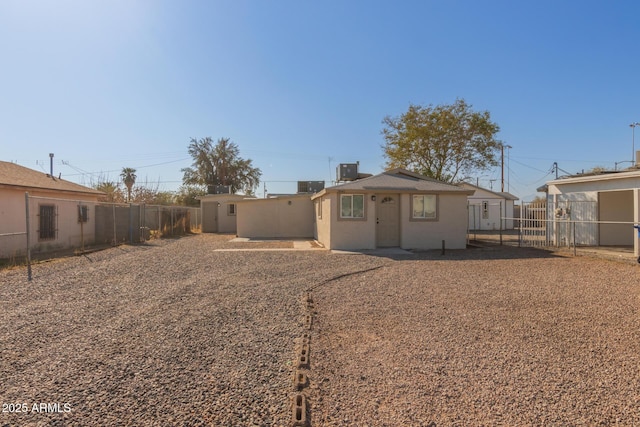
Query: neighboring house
[(281, 216), (396, 208), (610, 198), (219, 212), (487, 208), (61, 213)]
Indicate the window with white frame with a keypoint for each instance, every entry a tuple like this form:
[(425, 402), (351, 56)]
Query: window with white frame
[(231, 209), (319, 202), (352, 206), (424, 206)]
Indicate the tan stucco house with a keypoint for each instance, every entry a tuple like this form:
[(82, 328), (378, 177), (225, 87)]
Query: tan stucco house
[(396, 208), (61, 213)]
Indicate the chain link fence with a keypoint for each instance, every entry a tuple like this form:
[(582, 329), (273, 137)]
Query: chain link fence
[(566, 223), (51, 226)]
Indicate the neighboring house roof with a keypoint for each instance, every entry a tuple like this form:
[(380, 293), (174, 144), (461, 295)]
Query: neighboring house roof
[(500, 194), (16, 176), (609, 176), (397, 180)]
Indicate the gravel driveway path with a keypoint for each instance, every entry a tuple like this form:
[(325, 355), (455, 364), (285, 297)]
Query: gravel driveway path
[(175, 333)]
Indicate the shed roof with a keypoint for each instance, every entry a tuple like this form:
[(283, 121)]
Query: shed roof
[(502, 194), (397, 180), (13, 175)]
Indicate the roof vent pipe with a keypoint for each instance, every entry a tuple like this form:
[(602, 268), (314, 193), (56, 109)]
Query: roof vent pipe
[(51, 163)]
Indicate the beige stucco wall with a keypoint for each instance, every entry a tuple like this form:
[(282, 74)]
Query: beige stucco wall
[(451, 225), (322, 225), (281, 217), (69, 231), (216, 219), (348, 234), (616, 206)]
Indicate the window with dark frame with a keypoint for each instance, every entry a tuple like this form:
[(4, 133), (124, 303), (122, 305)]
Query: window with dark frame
[(231, 209), (83, 213), (47, 230)]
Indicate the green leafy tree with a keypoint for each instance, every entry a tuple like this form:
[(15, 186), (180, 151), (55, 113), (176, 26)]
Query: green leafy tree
[(220, 164), (441, 142), (128, 176), (188, 195)]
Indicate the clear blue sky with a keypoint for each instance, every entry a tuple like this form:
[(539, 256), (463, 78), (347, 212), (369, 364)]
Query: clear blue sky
[(109, 84)]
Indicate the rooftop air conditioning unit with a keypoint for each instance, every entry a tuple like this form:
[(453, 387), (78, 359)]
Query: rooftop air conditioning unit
[(310, 186), (219, 189), (347, 172)]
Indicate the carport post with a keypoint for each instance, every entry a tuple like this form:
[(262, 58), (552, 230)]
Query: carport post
[(501, 219), (636, 220), (26, 203)]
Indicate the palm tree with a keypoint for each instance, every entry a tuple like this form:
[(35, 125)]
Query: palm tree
[(113, 194), (128, 176)]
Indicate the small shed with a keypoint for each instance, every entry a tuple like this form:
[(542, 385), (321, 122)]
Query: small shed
[(219, 212), (397, 208), (487, 208)]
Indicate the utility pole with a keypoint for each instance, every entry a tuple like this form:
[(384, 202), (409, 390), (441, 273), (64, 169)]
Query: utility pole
[(502, 147), (502, 177), (633, 142)]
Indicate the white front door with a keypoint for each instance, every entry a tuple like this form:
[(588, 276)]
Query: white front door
[(388, 220)]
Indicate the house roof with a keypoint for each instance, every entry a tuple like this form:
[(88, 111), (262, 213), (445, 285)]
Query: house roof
[(502, 194), (629, 173), (13, 175), (397, 180)]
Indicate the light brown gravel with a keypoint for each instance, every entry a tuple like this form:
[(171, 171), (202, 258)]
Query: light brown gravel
[(175, 333), (503, 336)]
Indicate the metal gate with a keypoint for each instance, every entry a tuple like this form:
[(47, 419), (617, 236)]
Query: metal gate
[(564, 223), (532, 224)]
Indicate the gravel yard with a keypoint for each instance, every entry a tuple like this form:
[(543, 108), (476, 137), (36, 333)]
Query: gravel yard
[(175, 333)]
